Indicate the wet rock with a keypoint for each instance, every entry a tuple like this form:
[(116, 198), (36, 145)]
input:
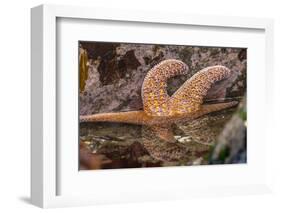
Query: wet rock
[(118, 67), (231, 145), (148, 161), (137, 150), (242, 55), (89, 160), (198, 161), (184, 139)]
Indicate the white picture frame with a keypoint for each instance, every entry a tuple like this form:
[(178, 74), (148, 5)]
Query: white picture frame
[(46, 176)]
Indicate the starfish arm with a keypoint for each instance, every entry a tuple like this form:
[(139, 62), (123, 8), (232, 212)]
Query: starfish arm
[(132, 117), (154, 93), (208, 108), (189, 97)]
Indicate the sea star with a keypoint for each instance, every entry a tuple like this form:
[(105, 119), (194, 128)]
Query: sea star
[(160, 110)]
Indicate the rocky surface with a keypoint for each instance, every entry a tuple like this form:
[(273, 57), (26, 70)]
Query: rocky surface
[(231, 145), (116, 72), (115, 76)]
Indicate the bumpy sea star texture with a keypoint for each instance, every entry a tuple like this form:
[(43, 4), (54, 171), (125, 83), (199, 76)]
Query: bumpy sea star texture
[(188, 98)]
